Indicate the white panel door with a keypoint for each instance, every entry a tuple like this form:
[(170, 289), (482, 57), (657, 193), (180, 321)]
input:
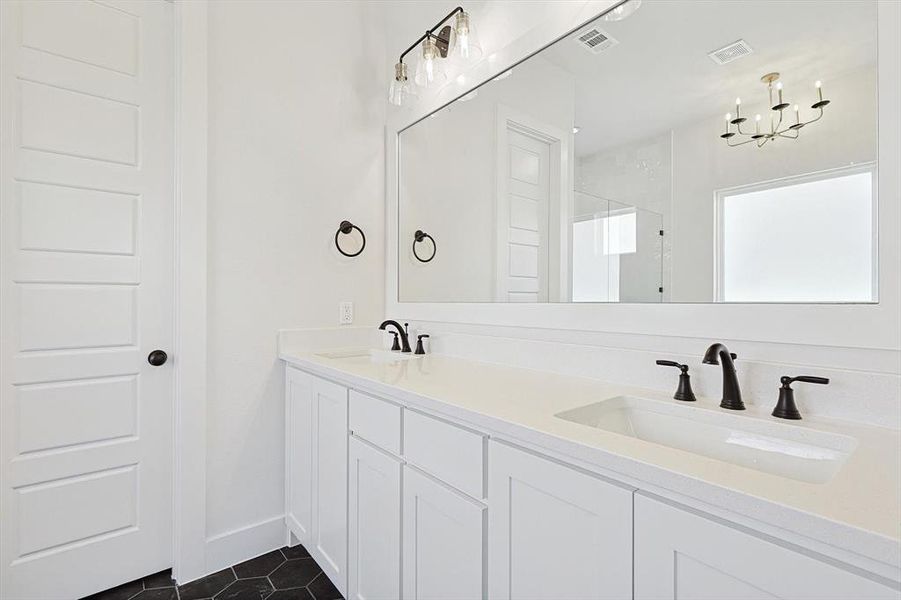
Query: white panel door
[(330, 480), (679, 554), (373, 523), (555, 532), (523, 220), (442, 541), (87, 209)]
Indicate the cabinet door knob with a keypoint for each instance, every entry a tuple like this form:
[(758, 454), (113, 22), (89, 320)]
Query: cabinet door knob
[(157, 358)]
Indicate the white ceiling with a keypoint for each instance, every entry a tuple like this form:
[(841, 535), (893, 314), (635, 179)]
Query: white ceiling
[(659, 75)]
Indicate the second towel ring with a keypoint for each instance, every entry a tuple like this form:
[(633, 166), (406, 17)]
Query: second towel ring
[(418, 237), (347, 227)]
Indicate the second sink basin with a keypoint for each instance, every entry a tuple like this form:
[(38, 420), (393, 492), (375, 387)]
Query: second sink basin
[(795, 452)]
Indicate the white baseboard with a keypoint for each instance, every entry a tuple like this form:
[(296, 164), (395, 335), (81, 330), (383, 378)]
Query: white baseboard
[(244, 543)]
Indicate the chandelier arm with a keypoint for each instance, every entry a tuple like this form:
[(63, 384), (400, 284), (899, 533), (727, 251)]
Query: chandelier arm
[(731, 145), (791, 137), (820, 116), (779, 123)]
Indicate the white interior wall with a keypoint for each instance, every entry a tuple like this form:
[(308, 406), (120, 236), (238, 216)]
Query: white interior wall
[(448, 182), (296, 144)]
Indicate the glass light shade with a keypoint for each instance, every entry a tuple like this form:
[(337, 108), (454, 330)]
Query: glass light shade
[(400, 91), (464, 43), (429, 70), (623, 11)]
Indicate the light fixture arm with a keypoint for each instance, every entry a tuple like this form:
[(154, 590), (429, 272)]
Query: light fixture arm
[(429, 33)]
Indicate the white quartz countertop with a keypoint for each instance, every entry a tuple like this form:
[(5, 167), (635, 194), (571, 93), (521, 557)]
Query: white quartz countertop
[(858, 510)]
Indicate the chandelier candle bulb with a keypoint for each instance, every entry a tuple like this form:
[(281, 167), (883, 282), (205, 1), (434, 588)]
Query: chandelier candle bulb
[(819, 86), (797, 114), (728, 132)]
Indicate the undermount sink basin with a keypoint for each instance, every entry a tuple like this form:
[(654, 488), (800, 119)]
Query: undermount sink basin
[(795, 452), (368, 355)]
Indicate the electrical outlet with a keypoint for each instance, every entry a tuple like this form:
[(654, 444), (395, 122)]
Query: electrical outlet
[(345, 313)]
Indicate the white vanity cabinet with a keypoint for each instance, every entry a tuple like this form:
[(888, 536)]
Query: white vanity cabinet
[(554, 531), (680, 554), (397, 502), (373, 523), (443, 541), (316, 468), (424, 477)]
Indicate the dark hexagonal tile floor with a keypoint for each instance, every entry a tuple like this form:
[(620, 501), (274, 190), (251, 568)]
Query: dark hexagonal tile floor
[(284, 574)]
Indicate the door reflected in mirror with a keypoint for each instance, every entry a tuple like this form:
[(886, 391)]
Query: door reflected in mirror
[(683, 151)]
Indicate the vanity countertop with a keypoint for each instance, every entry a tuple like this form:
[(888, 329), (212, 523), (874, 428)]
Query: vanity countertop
[(858, 510)]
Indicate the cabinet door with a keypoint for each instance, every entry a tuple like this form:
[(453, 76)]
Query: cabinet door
[(442, 541), (679, 554), (330, 480), (299, 453), (373, 525), (555, 532)]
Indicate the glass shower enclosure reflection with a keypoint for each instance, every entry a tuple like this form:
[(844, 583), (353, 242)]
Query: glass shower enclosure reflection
[(617, 251)]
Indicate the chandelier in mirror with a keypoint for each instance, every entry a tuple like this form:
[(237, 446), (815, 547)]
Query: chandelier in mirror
[(457, 42), (780, 126)]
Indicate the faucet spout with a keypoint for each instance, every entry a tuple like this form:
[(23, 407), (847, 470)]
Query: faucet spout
[(718, 354), (404, 338)]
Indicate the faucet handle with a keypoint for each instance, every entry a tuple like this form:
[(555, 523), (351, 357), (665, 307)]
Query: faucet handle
[(787, 381), (785, 407), (396, 345), (684, 391), (419, 348), (672, 363)]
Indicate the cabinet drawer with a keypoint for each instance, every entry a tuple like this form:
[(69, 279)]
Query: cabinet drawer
[(450, 453), (375, 421)]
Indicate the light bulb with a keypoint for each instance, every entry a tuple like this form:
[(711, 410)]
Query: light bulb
[(818, 84), (429, 71), (738, 102), (465, 44), (779, 85), (728, 116), (756, 117)]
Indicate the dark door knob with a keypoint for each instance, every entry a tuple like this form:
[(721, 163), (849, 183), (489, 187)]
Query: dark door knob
[(157, 358)]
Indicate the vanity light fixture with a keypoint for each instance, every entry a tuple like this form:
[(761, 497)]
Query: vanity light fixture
[(457, 41), (777, 109)]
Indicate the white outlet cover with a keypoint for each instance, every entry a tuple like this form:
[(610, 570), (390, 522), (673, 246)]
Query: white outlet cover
[(345, 313)]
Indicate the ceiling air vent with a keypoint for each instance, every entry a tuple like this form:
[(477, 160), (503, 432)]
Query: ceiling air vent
[(595, 40), (733, 51)]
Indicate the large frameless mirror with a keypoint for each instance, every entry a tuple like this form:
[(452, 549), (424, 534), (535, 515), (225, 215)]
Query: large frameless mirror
[(668, 151)]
